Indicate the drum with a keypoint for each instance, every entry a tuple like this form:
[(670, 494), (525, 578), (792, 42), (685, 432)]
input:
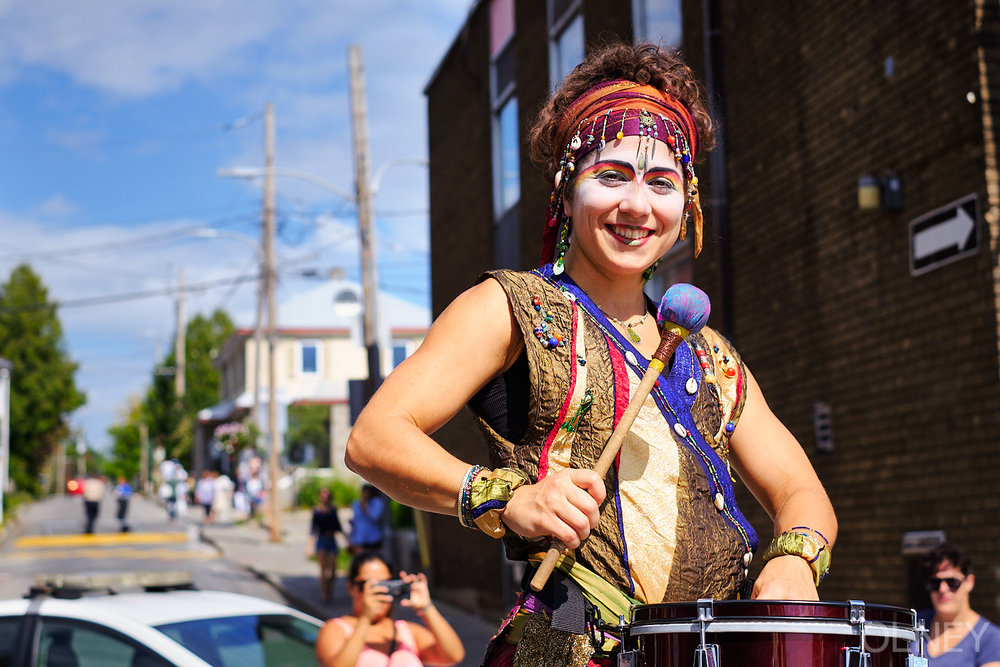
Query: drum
[(759, 633)]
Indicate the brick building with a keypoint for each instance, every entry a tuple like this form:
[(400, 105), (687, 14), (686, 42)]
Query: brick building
[(872, 331)]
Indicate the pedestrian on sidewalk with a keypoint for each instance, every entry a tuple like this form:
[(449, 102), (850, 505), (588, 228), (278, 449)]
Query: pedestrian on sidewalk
[(93, 493), (369, 636), (366, 524), (123, 492), (325, 527), (204, 494)]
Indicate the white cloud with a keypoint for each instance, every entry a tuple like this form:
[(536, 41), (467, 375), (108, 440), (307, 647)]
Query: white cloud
[(56, 206)]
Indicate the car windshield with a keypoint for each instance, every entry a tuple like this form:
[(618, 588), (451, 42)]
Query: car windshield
[(267, 640)]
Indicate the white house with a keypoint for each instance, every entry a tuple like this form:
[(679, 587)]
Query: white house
[(318, 352)]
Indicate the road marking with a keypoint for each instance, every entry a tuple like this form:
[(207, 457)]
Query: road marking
[(98, 553), (77, 540)]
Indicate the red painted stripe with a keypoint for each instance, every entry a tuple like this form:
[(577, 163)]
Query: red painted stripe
[(543, 459)]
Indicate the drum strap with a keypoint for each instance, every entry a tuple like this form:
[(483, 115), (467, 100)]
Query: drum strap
[(564, 598)]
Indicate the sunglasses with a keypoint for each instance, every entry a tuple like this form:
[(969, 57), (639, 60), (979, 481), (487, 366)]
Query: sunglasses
[(934, 585)]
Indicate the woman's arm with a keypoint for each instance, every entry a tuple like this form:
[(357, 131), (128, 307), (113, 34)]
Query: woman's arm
[(333, 649), (777, 471), (438, 643), (475, 339)]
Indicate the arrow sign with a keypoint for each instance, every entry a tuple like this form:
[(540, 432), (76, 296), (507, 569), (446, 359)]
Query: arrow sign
[(944, 235)]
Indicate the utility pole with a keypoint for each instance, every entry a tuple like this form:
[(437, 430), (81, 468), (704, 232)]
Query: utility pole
[(272, 408), (143, 458), (369, 277), (179, 341)]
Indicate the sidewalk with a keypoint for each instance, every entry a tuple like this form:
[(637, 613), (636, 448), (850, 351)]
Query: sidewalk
[(285, 566)]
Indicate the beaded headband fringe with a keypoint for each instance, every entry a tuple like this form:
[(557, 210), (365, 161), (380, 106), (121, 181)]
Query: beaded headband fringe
[(611, 111)]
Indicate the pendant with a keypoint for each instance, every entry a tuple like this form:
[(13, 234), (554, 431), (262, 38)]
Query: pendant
[(633, 336)]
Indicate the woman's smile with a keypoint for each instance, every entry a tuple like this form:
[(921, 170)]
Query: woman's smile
[(632, 236)]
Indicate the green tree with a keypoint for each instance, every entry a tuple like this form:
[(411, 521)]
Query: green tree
[(43, 389), (309, 425), (171, 422), (126, 447)]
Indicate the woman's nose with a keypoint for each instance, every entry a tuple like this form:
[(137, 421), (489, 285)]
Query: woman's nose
[(636, 202)]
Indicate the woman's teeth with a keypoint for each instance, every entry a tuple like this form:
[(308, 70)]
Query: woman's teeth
[(633, 234)]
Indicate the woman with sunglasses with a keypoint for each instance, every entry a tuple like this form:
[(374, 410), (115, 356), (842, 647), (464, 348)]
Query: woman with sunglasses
[(959, 637), (370, 637)]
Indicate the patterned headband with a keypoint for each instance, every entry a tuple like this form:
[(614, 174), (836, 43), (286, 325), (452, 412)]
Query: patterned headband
[(611, 111)]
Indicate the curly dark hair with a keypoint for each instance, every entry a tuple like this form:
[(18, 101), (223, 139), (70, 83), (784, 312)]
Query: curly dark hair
[(946, 552), (646, 64)]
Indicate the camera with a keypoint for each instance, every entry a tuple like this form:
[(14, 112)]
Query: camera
[(397, 588)]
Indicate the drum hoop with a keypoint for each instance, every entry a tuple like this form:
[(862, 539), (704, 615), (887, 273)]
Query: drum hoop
[(779, 625)]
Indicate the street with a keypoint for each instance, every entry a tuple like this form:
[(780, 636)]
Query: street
[(236, 557), (48, 539)]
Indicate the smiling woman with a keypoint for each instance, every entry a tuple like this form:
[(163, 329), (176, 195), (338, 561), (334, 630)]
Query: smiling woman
[(553, 359)]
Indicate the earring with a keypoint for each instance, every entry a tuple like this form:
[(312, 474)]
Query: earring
[(648, 273), (562, 245)]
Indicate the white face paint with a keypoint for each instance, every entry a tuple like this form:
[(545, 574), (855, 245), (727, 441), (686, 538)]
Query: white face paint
[(627, 205)]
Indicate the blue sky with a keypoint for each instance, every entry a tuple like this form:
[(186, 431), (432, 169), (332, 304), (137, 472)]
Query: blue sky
[(115, 116)]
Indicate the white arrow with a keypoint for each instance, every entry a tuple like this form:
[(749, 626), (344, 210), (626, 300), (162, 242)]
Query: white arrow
[(953, 232)]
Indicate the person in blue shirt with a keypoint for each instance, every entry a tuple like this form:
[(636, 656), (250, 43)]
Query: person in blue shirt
[(366, 525), (123, 491), (958, 636)]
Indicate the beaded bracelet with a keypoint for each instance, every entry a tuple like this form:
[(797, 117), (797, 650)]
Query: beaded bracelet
[(815, 553), (463, 495), (488, 498)]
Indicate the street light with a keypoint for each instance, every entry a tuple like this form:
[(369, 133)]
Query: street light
[(258, 330)]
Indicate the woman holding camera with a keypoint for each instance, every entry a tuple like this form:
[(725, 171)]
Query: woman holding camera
[(369, 637)]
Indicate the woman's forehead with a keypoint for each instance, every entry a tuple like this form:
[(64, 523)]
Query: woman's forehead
[(657, 153)]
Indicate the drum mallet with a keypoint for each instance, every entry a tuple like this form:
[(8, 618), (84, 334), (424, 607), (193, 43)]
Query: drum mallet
[(683, 310)]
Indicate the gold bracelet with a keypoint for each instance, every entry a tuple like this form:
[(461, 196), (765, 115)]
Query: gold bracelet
[(805, 546), (488, 498)]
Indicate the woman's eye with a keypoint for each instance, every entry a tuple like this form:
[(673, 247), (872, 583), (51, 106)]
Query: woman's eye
[(612, 177), (662, 184)]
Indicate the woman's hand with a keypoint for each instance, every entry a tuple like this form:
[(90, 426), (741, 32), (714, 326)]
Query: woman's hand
[(420, 595), (564, 505), (375, 600), (785, 578)]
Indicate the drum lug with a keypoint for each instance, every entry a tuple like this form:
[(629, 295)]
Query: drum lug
[(628, 659), (706, 655), (858, 657), (919, 660)]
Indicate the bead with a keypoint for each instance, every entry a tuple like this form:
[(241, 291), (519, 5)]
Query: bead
[(570, 296), (685, 158), (575, 143), (730, 427), (691, 386), (680, 430), (630, 357), (536, 302), (620, 135), (746, 557), (553, 221), (553, 342), (730, 372), (715, 348), (571, 166), (720, 502)]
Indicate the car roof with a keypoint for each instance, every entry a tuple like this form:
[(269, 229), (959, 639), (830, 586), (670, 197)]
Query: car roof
[(166, 607)]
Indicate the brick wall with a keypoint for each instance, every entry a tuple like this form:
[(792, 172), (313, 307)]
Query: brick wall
[(824, 306)]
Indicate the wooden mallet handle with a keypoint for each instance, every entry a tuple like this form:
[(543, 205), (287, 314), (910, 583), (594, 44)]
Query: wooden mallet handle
[(693, 311)]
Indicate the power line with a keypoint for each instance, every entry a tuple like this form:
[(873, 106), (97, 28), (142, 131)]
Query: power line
[(131, 296)]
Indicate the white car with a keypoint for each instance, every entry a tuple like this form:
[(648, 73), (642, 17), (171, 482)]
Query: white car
[(168, 628)]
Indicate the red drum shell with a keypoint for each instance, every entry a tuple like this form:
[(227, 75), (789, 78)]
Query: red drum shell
[(759, 633)]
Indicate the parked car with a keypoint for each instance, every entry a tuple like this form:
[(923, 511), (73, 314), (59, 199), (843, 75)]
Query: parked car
[(74, 624)]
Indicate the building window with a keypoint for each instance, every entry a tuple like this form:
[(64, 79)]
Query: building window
[(566, 42), (400, 351), (657, 21), (506, 135), (309, 357)]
